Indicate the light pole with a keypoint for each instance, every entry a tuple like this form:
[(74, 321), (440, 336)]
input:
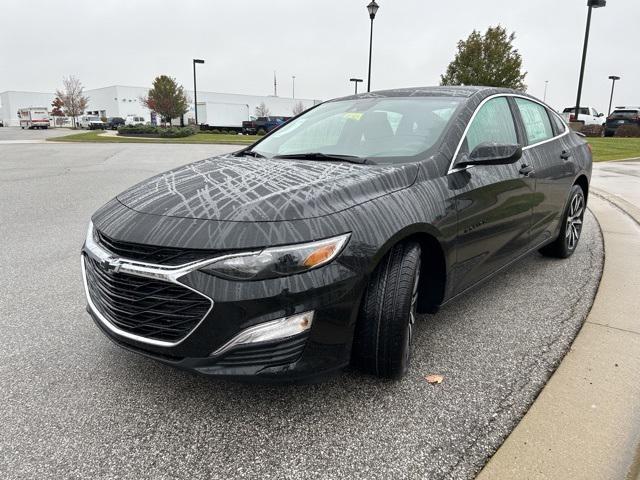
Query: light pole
[(591, 4), (293, 86), (546, 84), (613, 79), (373, 9), (195, 90), (356, 81)]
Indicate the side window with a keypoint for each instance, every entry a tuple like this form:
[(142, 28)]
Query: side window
[(559, 124), (536, 121), (493, 123)]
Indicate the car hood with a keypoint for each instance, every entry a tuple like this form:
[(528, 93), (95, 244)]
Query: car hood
[(246, 189)]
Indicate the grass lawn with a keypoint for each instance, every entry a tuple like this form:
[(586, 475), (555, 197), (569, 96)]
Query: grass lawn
[(94, 136), (614, 148), (603, 148)]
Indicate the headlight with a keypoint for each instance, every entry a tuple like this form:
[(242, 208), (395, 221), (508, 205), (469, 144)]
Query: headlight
[(279, 261)]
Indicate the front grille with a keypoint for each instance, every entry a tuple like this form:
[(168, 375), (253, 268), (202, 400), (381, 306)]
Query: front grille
[(151, 253), (267, 354), (149, 308)]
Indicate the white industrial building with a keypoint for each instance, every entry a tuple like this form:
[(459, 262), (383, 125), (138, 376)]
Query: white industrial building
[(121, 101)]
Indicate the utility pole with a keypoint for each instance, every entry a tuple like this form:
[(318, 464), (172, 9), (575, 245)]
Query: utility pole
[(591, 4), (275, 85)]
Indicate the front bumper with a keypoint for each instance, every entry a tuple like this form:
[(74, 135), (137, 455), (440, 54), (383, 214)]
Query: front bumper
[(333, 292)]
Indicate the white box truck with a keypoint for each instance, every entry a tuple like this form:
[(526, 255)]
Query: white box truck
[(34, 117), (228, 116)]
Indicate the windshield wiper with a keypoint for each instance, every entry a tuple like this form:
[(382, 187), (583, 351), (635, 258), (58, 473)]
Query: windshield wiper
[(327, 157), (250, 153)]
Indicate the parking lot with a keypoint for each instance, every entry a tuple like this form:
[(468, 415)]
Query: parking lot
[(76, 405)]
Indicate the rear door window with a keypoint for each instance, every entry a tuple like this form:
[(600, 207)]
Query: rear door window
[(536, 121)]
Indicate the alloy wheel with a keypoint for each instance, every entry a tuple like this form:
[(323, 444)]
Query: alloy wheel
[(412, 316), (574, 221)]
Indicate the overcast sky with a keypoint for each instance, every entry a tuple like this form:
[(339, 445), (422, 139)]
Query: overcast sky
[(323, 43)]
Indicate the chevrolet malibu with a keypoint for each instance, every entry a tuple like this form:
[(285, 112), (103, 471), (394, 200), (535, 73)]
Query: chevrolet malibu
[(317, 246)]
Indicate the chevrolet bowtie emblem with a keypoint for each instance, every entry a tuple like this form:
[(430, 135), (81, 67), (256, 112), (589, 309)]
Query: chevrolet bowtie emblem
[(111, 264)]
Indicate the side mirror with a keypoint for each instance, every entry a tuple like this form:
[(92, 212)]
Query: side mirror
[(492, 154), (601, 115)]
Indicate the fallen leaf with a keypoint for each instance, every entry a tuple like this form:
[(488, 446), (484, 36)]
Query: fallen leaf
[(432, 379)]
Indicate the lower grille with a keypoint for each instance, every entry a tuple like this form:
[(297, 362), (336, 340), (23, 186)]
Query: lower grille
[(140, 306), (267, 354)]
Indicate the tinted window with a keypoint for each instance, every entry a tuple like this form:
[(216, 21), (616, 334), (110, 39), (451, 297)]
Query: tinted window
[(560, 126), (583, 111), (626, 113), (536, 121), (379, 128), (493, 123)]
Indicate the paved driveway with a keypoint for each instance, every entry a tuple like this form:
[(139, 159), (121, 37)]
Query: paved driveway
[(76, 406), (18, 135)]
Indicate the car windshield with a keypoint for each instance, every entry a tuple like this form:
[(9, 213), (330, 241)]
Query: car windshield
[(383, 129)]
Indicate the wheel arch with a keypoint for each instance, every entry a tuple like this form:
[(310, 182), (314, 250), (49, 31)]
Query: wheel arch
[(583, 182), (434, 265)]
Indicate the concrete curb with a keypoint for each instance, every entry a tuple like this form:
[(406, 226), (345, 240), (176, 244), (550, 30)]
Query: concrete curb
[(585, 424)]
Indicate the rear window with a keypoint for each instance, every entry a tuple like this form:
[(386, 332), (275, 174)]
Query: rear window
[(626, 113), (583, 111)]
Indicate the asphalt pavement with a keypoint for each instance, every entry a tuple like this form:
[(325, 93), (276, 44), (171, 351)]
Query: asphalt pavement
[(76, 406)]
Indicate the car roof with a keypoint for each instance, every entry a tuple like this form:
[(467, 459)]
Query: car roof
[(441, 91)]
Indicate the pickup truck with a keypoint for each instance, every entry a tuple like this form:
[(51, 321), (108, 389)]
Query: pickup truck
[(251, 127), (588, 115)]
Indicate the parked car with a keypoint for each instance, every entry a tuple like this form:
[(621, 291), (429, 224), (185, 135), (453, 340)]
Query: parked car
[(114, 122), (588, 115), (134, 120), (621, 116), (318, 245)]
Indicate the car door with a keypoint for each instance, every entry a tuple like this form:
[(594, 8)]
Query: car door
[(554, 166), (493, 202)]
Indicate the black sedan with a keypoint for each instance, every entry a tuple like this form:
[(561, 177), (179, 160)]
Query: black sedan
[(316, 247)]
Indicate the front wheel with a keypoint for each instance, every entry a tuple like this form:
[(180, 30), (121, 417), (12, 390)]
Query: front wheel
[(382, 344), (567, 241)]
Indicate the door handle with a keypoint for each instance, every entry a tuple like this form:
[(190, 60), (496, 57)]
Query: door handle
[(526, 170), (565, 155)]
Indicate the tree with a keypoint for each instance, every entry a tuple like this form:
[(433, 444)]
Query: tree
[(298, 108), (56, 107), (166, 98), (262, 110), (74, 101), (487, 60)]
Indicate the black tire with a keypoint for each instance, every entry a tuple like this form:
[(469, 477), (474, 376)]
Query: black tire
[(382, 344), (567, 241)]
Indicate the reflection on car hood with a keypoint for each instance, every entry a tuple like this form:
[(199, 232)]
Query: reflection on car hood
[(246, 189)]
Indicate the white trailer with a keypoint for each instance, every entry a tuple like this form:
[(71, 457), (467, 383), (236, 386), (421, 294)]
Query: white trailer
[(34, 117), (222, 115)]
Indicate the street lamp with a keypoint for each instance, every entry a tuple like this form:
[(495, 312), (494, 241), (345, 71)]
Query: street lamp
[(293, 88), (546, 84), (613, 79), (591, 4), (373, 9), (356, 81), (195, 90)]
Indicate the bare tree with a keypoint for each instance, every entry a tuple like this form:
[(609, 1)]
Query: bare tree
[(74, 101), (262, 110), (298, 108)]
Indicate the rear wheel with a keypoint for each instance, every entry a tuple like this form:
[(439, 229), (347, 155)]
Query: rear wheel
[(567, 241), (382, 345)]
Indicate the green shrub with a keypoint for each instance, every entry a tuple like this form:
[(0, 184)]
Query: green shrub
[(262, 131), (628, 131), (177, 132), (592, 130)]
